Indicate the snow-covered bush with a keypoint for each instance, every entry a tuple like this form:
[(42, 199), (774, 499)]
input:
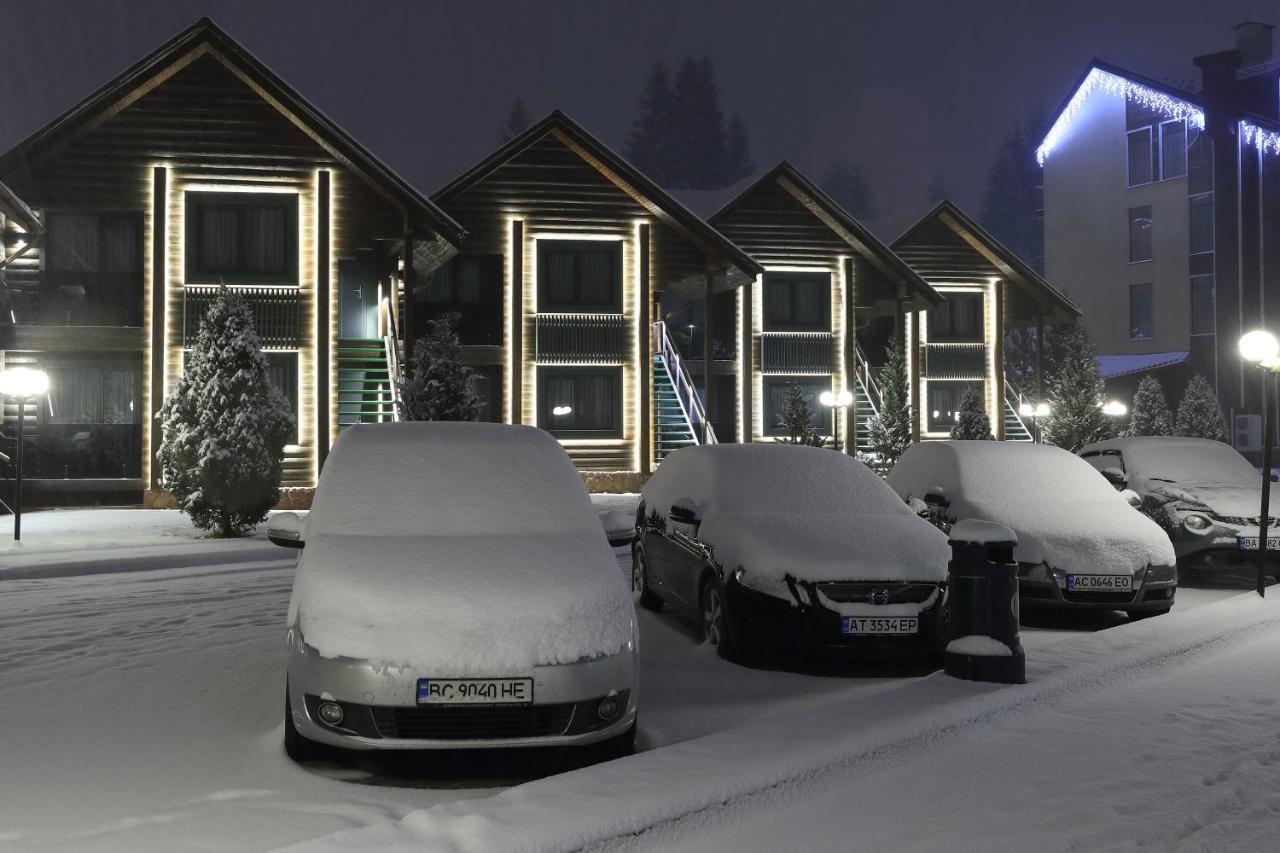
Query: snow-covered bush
[(797, 419), (890, 428), (1200, 413), (1151, 415), (974, 423), (225, 426), (436, 385), (1075, 391)]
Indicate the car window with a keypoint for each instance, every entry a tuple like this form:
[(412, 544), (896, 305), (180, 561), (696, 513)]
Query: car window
[(1104, 459)]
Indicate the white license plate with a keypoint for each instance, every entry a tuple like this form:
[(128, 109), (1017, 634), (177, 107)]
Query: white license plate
[(475, 691), (863, 625), (1100, 583), (1250, 543)]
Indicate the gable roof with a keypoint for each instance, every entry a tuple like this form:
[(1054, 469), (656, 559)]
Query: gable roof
[(844, 225), (205, 36), (614, 167)]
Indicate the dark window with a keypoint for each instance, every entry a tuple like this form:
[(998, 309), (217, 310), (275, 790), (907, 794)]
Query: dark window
[(1104, 459), (1202, 305), (244, 237), (580, 402), (93, 269), (1173, 149), (1140, 161), (470, 288), (91, 424), (1139, 234), (959, 318), (486, 384), (1199, 162), (797, 302), (1201, 223), (282, 373), (775, 399), (942, 399), (581, 276), (1141, 324)]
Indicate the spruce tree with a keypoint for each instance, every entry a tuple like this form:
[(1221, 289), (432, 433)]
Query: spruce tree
[(437, 386), (517, 122), (699, 127), (1150, 415), (1075, 391), (1200, 413), (650, 145), (890, 429), (796, 419), (974, 425), (224, 426), (1011, 203), (738, 162), (849, 187)]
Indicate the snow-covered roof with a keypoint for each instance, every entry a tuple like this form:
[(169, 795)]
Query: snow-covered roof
[(1111, 366)]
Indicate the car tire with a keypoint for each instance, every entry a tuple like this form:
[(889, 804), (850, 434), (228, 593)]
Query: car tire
[(649, 599), (715, 619), (1135, 615), (296, 746)]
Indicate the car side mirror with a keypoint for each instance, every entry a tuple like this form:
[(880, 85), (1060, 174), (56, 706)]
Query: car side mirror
[(1132, 497), (287, 529), (682, 513), (1116, 477)]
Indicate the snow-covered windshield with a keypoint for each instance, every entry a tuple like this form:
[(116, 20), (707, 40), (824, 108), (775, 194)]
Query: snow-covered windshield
[(1190, 462)]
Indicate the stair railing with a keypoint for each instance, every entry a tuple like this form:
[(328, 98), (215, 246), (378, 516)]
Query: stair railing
[(1015, 400), (690, 403), (391, 346), (863, 370)]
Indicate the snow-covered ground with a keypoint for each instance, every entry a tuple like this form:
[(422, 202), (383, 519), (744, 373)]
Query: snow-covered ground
[(142, 670)]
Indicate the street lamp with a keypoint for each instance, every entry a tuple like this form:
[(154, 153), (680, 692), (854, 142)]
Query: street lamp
[(1037, 412), (1114, 409), (837, 401), (21, 384), (1262, 349)]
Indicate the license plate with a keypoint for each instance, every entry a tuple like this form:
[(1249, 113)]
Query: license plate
[(475, 691), (863, 625), (1250, 543), (1100, 583)]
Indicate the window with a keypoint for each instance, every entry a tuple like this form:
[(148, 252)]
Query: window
[(91, 427), (1141, 326), (775, 401), (469, 287), (581, 276), (1199, 163), (942, 400), (797, 302), (282, 373), (959, 318), (1202, 305), (1173, 149), (486, 383), (1104, 459), (1140, 163), (1201, 223), (244, 237), (580, 402), (1139, 234), (93, 269)]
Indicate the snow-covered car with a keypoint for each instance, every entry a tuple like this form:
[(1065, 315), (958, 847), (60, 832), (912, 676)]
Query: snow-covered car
[(774, 547), (1080, 543), (1204, 494), (456, 590)]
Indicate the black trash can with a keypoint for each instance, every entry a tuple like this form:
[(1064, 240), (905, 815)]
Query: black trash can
[(982, 614)]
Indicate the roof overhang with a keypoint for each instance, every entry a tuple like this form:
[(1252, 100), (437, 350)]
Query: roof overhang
[(15, 209)]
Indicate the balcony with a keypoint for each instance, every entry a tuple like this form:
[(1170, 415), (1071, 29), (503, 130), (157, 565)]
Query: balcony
[(797, 352), (954, 361), (276, 313), (581, 338)]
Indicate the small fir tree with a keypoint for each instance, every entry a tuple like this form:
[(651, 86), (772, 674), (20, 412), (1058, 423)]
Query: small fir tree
[(517, 122), (224, 426), (849, 186), (1075, 391), (797, 419), (974, 425), (1200, 413), (1150, 415), (437, 386), (890, 428)]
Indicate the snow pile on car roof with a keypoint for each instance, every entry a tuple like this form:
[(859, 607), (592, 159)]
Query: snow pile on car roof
[(1187, 461), (1064, 512), (459, 550)]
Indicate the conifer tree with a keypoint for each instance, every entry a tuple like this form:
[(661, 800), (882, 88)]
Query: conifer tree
[(1011, 202), (650, 145), (437, 386), (1150, 414), (890, 428), (974, 425), (517, 122), (1075, 391), (224, 426), (738, 162), (797, 419), (1200, 413), (849, 186)]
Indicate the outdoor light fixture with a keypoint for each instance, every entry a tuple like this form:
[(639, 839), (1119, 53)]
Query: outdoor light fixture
[(1037, 412), (1115, 409), (836, 400), (21, 384), (561, 411), (1258, 346), (1261, 348)]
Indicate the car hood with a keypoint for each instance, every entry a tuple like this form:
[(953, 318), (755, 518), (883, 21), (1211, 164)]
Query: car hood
[(1222, 498), (1081, 537), (821, 547), (463, 605)]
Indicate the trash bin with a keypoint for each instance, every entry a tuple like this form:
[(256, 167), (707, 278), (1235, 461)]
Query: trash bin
[(982, 616)]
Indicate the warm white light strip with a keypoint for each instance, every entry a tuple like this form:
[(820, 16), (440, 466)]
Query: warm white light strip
[(1112, 84), (643, 364)]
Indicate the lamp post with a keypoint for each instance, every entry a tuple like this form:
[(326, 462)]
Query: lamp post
[(1262, 348), (21, 384), (1115, 409), (1036, 412), (837, 401)]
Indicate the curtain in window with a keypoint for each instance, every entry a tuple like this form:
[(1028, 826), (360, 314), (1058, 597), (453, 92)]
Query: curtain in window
[(264, 237), (219, 237), (119, 397), (808, 303), (120, 245), (777, 298), (593, 408), (75, 395), (468, 280), (73, 242), (595, 277), (559, 270)]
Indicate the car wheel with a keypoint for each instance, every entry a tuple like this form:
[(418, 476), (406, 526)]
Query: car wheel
[(715, 620), (1135, 615), (649, 599), (296, 746)]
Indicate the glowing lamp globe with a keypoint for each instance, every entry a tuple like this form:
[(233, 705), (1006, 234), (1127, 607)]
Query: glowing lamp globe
[(1042, 410), (826, 398), (23, 383), (561, 411), (1027, 410), (1259, 347), (1115, 409), (844, 398)]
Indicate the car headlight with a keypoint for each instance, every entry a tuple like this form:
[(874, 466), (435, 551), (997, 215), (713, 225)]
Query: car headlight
[(1197, 523)]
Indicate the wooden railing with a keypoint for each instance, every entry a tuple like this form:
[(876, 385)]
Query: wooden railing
[(863, 369), (276, 312), (580, 338), (797, 352), (391, 344), (955, 361)]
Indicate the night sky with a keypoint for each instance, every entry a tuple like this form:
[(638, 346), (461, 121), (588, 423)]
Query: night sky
[(905, 87)]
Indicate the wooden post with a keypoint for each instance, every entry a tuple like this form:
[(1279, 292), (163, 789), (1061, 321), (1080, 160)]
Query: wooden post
[(644, 370), (322, 318), (1039, 354), (850, 362), (516, 365), (706, 357), (748, 356), (917, 405), (159, 303), (997, 417), (410, 282)]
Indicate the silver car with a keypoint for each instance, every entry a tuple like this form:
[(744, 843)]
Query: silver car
[(456, 590)]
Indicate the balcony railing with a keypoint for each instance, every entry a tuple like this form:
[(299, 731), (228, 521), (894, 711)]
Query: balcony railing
[(580, 338), (797, 352), (276, 313), (955, 361)]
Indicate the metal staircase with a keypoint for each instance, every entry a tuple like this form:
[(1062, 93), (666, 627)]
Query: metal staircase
[(366, 393), (679, 413), (866, 402), (1014, 427)]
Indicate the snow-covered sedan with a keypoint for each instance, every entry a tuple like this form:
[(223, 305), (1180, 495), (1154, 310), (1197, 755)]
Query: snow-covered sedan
[(1204, 494), (774, 547), (456, 590), (1080, 543)]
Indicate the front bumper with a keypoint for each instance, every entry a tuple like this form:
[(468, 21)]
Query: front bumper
[(1154, 588), (380, 709)]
